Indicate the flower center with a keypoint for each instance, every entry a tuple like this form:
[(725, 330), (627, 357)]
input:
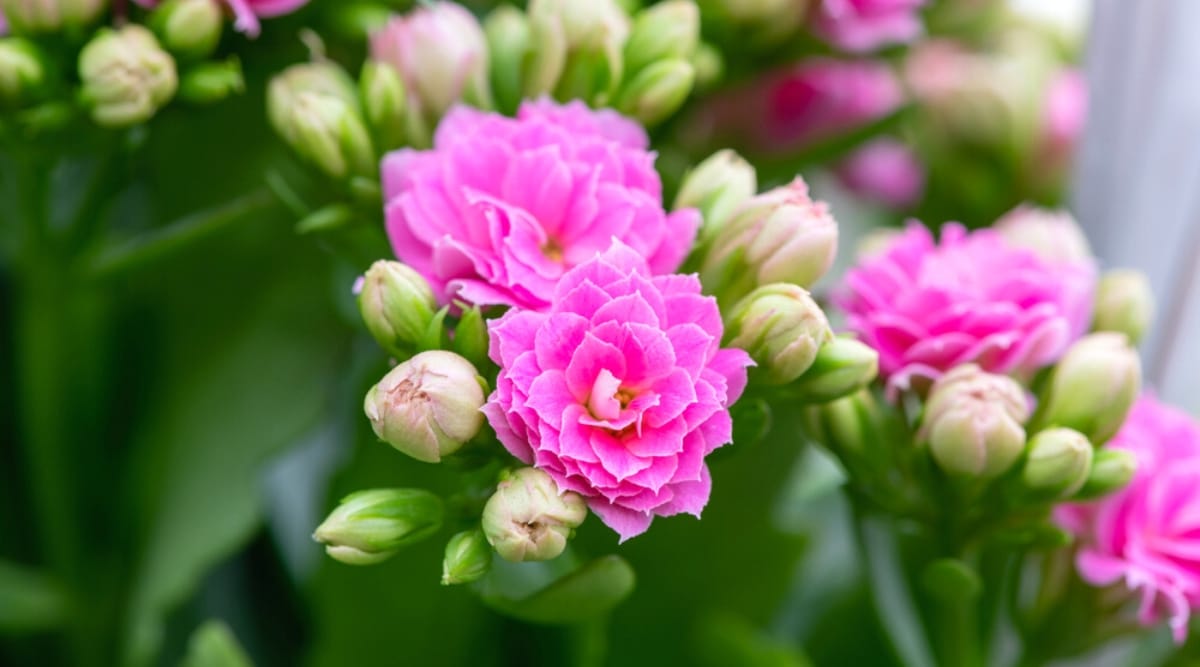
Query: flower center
[(553, 250), (607, 397)]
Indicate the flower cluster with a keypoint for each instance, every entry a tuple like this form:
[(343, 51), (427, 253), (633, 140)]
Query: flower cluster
[(972, 298), (502, 208), (1146, 535)]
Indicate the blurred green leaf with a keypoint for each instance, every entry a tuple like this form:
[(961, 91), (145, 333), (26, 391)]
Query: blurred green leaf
[(29, 601), (213, 645), (585, 594), (728, 640)]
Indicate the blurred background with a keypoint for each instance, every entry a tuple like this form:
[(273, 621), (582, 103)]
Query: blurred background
[(177, 413)]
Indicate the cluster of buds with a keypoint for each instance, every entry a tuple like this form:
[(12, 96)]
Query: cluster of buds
[(31, 17), (316, 109)]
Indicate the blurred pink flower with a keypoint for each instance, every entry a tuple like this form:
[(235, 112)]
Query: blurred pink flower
[(791, 108), (1064, 115), (620, 390), (884, 170), (440, 51), (972, 298), (501, 207), (865, 25), (247, 12), (1148, 534)]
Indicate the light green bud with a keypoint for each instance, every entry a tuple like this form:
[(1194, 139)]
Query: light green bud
[(126, 76), (468, 558), (528, 519), (717, 187), (781, 327), (1093, 387), (657, 91), (1124, 303), (663, 31), (370, 526), (189, 28), (1058, 463), (842, 366)]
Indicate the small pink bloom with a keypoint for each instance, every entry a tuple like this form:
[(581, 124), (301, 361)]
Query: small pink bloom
[(1148, 534), (247, 12), (884, 170), (865, 25), (619, 390), (973, 298), (440, 51), (791, 108), (501, 208), (1064, 116)]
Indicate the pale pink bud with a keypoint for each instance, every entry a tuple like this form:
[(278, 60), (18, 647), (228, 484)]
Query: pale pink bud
[(428, 406), (973, 422), (529, 519), (440, 51), (1052, 234)]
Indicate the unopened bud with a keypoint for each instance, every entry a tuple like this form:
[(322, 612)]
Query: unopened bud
[(385, 103), (1111, 470), (973, 423), (1052, 234), (42, 16), (126, 75), (709, 65), (22, 70), (471, 336), (211, 82), (780, 236), (189, 28), (397, 305), (370, 526), (657, 91), (662, 31), (782, 327), (440, 52), (468, 558), (508, 34), (1059, 462), (717, 186), (428, 406), (1093, 387), (575, 48), (849, 425), (842, 366), (314, 107), (1124, 303), (527, 518)]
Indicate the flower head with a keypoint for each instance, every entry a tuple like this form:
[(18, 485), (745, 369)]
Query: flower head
[(972, 298), (886, 171), (1148, 534), (502, 208), (620, 390), (865, 25)]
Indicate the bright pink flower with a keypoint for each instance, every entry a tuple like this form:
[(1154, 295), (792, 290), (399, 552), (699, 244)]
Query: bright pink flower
[(927, 307), (502, 207), (620, 390), (247, 12), (1148, 534), (884, 170), (865, 25)]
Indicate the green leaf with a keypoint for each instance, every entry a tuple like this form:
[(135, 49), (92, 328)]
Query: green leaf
[(728, 640), (586, 593), (213, 645), (29, 600)]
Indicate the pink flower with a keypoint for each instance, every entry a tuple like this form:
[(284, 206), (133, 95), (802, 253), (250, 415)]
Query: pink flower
[(791, 108), (1148, 534), (502, 208), (247, 12), (440, 51), (865, 25), (1063, 117), (884, 170), (619, 390), (927, 307)]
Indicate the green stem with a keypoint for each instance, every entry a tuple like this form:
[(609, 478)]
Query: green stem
[(954, 634), (176, 236)]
